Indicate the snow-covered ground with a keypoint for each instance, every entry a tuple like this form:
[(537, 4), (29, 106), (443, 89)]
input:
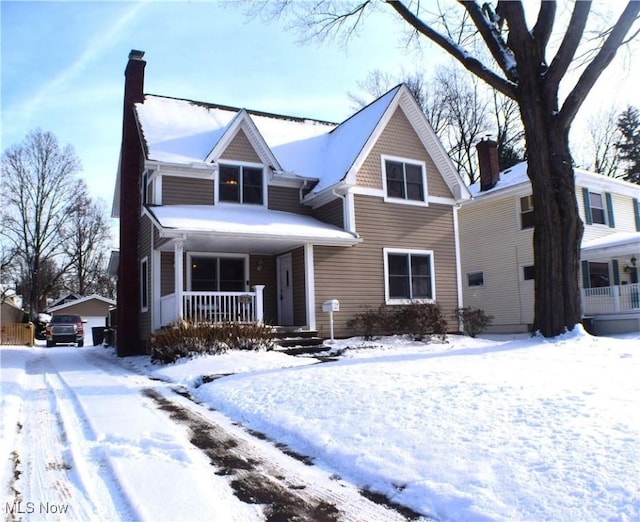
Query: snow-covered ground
[(495, 428)]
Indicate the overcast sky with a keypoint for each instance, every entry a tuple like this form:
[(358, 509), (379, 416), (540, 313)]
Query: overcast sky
[(63, 65)]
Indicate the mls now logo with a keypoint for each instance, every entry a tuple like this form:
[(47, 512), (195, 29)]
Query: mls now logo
[(25, 508)]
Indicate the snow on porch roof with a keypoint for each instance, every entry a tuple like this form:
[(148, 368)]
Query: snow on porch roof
[(619, 239), (250, 221)]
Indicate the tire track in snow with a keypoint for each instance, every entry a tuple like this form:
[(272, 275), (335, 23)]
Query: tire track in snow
[(259, 473), (63, 476)]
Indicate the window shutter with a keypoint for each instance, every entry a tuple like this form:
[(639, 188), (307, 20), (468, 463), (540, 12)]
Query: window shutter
[(586, 279), (587, 205), (636, 211), (612, 222), (616, 272)]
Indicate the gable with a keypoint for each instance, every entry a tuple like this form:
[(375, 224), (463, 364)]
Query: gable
[(240, 149), (399, 138)]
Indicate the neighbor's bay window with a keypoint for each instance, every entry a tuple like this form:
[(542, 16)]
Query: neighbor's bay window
[(241, 184), (408, 275)]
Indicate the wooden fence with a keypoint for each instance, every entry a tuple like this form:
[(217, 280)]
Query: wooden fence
[(17, 334)]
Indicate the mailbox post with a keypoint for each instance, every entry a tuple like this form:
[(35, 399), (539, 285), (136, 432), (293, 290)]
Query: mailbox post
[(333, 305)]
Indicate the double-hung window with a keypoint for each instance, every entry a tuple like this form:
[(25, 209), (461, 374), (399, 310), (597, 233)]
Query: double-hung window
[(598, 208), (526, 212), (408, 275), (241, 184), (404, 180)]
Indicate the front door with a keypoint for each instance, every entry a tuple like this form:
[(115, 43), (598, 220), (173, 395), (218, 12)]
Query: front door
[(285, 291)]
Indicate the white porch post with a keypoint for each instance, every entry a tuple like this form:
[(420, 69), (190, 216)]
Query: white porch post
[(615, 290), (310, 282), (259, 302), (178, 264)]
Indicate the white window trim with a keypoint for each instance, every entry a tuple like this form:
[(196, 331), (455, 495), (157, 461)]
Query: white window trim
[(522, 279), (248, 164), (144, 262), (191, 255), (385, 253), (401, 201), (605, 209), (469, 272)]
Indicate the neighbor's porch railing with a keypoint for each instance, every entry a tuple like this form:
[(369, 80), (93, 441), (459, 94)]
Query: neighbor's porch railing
[(611, 299), (214, 307)]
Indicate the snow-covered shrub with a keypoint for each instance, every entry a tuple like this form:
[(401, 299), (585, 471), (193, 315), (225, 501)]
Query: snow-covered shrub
[(372, 323), (474, 320), (185, 339), (421, 321)]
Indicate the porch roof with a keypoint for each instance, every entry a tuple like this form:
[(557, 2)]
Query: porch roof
[(246, 228), (613, 245)]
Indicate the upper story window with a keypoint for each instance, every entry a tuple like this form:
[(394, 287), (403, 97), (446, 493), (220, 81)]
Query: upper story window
[(241, 184), (404, 180), (408, 275), (526, 212), (598, 208)]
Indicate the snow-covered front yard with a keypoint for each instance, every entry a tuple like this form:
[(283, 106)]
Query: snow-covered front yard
[(497, 428)]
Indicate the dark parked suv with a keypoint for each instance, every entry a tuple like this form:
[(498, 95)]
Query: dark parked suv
[(65, 329)]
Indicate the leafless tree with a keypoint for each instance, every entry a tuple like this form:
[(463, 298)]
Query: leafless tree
[(528, 65), (601, 136), (39, 191), (86, 249)]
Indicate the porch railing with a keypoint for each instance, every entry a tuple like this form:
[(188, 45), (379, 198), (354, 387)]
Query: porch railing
[(214, 307), (611, 299)]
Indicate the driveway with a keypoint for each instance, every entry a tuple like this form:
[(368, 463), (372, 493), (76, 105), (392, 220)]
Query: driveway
[(83, 437)]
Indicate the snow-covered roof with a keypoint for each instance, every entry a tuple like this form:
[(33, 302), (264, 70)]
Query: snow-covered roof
[(618, 239), (80, 301), (186, 132), (228, 219), (517, 175)]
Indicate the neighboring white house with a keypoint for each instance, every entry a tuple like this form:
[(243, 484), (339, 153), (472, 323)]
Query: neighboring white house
[(496, 239)]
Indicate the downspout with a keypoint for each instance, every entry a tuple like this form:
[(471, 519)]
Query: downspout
[(456, 234)]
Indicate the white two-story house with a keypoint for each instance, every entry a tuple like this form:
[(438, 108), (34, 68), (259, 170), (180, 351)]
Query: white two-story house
[(496, 236)]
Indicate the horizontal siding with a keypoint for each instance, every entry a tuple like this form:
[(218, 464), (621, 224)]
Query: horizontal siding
[(144, 250), (267, 277), (299, 287), (400, 139), (355, 275), (491, 241), (186, 191), (623, 216), (286, 199), (331, 213), (167, 277), (240, 149)]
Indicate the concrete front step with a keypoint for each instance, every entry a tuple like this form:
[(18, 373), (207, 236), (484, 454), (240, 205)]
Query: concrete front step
[(295, 341)]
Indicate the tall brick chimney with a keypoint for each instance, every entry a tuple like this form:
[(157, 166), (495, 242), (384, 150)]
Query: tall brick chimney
[(131, 163), (488, 162)]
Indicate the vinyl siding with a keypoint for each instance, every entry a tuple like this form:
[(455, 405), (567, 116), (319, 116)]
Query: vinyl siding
[(267, 277), (186, 191), (331, 213), (287, 200), (399, 139), (492, 241), (299, 287), (240, 149), (90, 308), (355, 275), (144, 250), (167, 277), (623, 215)]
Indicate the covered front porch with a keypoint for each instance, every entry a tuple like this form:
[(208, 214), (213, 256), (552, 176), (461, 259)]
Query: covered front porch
[(233, 264), (611, 289)]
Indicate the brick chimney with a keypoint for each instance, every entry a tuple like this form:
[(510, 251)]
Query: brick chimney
[(488, 162), (131, 163)]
